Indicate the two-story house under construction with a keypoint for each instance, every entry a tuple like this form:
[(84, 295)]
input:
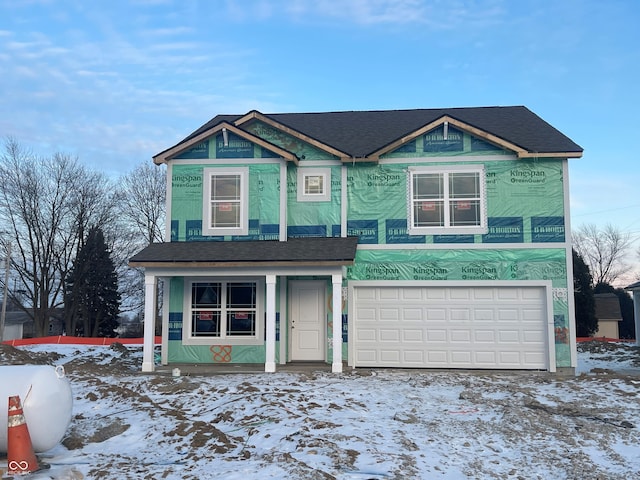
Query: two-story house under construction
[(427, 238)]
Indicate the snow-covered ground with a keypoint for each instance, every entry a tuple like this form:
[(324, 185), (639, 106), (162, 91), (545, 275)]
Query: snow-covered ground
[(370, 424)]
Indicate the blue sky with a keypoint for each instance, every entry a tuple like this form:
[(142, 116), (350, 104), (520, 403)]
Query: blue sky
[(115, 82)]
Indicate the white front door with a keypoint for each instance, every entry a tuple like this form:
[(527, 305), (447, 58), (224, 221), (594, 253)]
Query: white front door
[(308, 319)]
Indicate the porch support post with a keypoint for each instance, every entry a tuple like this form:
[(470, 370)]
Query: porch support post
[(270, 361), (336, 366), (149, 322), (636, 311)]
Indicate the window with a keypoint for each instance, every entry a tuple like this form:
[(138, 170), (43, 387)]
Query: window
[(314, 184), (223, 312), (225, 202), (447, 200)]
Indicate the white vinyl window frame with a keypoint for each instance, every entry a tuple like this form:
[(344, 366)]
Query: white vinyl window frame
[(239, 204), (314, 185), (188, 337), (447, 201)]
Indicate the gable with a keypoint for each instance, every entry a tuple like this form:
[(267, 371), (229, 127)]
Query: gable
[(444, 140), (224, 140)]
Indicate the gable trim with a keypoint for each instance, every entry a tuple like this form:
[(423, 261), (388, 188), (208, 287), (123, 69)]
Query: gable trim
[(456, 123), (256, 115), (167, 155), (519, 151)]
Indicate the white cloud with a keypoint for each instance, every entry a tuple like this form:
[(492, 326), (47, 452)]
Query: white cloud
[(437, 14)]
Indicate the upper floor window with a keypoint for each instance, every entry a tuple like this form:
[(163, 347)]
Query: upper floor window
[(225, 201), (447, 200), (314, 184)]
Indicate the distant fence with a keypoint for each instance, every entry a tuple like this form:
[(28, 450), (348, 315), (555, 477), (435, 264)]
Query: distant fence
[(604, 339), (66, 340)]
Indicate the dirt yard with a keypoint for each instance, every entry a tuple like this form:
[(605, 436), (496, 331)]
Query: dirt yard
[(369, 424)]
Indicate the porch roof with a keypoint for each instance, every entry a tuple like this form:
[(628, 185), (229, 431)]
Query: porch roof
[(316, 251)]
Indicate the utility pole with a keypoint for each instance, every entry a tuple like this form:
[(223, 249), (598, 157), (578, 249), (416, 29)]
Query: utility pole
[(3, 314)]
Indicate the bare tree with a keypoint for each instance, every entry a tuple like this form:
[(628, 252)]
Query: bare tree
[(604, 250), (46, 205), (142, 197)]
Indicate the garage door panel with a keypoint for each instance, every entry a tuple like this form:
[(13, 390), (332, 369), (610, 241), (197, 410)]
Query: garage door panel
[(389, 294), (484, 315), (436, 335), (392, 314), (485, 358), (460, 293), (412, 294), (387, 335), (507, 294), (459, 327), (435, 293), (510, 358), (532, 315), (531, 358), (412, 335), (412, 314), (437, 358), (435, 314), (485, 336), (534, 294), (533, 336), (364, 293), (366, 314), (508, 336), (390, 357), (414, 357), (365, 357), (460, 358), (507, 315), (460, 314), (366, 335), (460, 336), (483, 294)]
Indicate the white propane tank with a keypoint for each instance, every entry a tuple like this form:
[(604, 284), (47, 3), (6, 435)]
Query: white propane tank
[(46, 399)]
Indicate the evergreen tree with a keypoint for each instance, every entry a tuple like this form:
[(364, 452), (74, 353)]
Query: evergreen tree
[(92, 301), (627, 327), (586, 321)]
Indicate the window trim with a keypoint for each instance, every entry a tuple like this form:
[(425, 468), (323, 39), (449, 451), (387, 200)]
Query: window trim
[(325, 173), (243, 229), (189, 339), (447, 230)]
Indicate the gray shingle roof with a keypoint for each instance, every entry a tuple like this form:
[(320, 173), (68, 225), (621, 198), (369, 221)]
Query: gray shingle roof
[(607, 306), (320, 250), (359, 133)]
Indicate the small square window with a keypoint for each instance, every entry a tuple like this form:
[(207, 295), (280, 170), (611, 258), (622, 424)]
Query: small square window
[(314, 184)]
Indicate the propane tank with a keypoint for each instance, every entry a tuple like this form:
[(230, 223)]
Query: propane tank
[(46, 399)]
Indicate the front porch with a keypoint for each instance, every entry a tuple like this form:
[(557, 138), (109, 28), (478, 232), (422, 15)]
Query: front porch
[(273, 268)]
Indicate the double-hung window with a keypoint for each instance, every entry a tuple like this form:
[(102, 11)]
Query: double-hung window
[(223, 312), (447, 200), (225, 204)]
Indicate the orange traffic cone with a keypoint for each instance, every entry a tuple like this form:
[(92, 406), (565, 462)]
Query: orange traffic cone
[(21, 458)]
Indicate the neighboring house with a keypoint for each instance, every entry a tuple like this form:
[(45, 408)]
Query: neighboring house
[(19, 324), (14, 323), (608, 314), (634, 288), (431, 238)]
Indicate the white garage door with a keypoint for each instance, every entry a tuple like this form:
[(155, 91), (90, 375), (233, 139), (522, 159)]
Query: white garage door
[(450, 327)]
